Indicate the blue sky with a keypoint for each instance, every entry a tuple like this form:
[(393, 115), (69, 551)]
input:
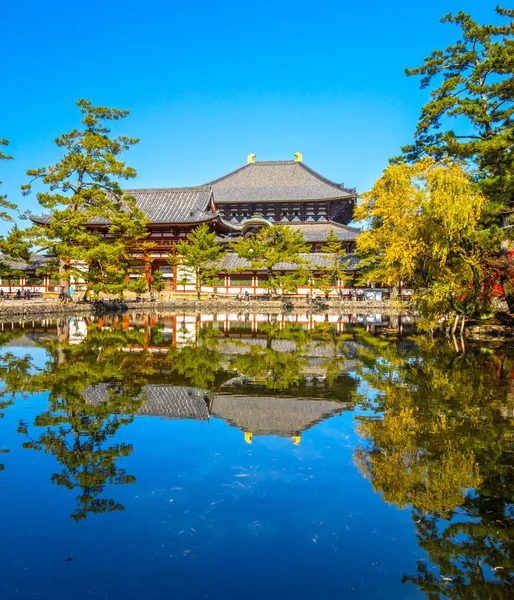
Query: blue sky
[(209, 83)]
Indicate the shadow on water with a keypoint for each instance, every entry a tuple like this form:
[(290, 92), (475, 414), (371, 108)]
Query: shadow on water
[(435, 428)]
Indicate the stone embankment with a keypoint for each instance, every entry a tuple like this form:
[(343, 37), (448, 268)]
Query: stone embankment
[(51, 308)]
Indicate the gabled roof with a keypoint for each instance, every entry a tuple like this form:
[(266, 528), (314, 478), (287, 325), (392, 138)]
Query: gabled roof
[(164, 205), (279, 180)]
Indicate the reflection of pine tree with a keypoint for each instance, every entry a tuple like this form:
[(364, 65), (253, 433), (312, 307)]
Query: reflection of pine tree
[(76, 434), (13, 372), (335, 351), (440, 439), (198, 362), (77, 431), (473, 552), (272, 368)]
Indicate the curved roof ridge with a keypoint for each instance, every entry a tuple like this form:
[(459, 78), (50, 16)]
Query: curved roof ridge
[(193, 188), (252, 170), (324, 179), (213, 181)]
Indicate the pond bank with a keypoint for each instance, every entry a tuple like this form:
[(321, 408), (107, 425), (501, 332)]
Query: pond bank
[(51, 308)]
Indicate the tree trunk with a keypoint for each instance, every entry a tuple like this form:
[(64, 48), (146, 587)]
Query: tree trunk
[(64, 284), (455, 325)]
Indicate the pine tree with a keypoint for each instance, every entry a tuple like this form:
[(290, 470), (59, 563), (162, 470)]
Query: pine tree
[(14, 246), (272, 246), (338, 262), (475, 93), (198, 257), (83, 196), (4, 204)]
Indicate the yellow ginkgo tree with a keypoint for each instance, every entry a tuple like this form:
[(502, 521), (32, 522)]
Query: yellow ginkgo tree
[(424, 230)]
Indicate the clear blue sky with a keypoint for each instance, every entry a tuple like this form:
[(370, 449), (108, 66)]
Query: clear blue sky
[(208, 83)]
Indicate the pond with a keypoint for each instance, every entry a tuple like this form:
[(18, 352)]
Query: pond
[(258, 456)]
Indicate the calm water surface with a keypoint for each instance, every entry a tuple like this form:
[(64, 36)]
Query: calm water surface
[(253, 456)]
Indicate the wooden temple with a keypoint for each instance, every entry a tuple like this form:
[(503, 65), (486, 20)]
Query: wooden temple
[(258, 194)]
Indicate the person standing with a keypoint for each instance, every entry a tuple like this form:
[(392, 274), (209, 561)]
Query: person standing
[(72, 291)]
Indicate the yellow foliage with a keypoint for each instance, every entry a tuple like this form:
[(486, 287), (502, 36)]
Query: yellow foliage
[(424, 231)]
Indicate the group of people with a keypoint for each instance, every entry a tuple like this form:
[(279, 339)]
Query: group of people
[(19, 294), (65, 296), (241, 296)]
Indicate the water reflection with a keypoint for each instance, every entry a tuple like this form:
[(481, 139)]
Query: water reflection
[(439, 439), (436, 428), (76, 432)]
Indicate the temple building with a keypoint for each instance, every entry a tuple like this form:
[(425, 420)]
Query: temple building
[(258, 194)]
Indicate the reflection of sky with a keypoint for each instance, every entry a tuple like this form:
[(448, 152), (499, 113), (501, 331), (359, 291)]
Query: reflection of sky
[(209, 517), (38, 356)]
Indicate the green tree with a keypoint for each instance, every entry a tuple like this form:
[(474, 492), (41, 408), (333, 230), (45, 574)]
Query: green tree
[(198, 257), (158, 282), (14, 246), (473, 90), (84, 197), (425, 231), (272, 247), (335, 352), (271, 367), (337, 261), (4, 203)]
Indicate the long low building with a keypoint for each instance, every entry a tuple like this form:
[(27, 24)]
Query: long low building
[(239, 204)]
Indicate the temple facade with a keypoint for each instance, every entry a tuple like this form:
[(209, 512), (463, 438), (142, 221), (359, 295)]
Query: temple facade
[(258, 194)]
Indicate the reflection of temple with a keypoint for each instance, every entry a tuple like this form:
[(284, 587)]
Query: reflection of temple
[(166, 401), (266, 415), (254, 415), (177, 329)]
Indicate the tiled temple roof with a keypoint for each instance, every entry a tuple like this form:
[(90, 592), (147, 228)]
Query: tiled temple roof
[(164, 205), (264, 415), (35, 262), (312, 232), (231, 262), (276, 181), (174, 205), (318, 232)]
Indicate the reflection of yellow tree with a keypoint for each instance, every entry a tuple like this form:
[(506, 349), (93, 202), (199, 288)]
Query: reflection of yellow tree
[(413, 462), (440, 437), (93, 389)]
